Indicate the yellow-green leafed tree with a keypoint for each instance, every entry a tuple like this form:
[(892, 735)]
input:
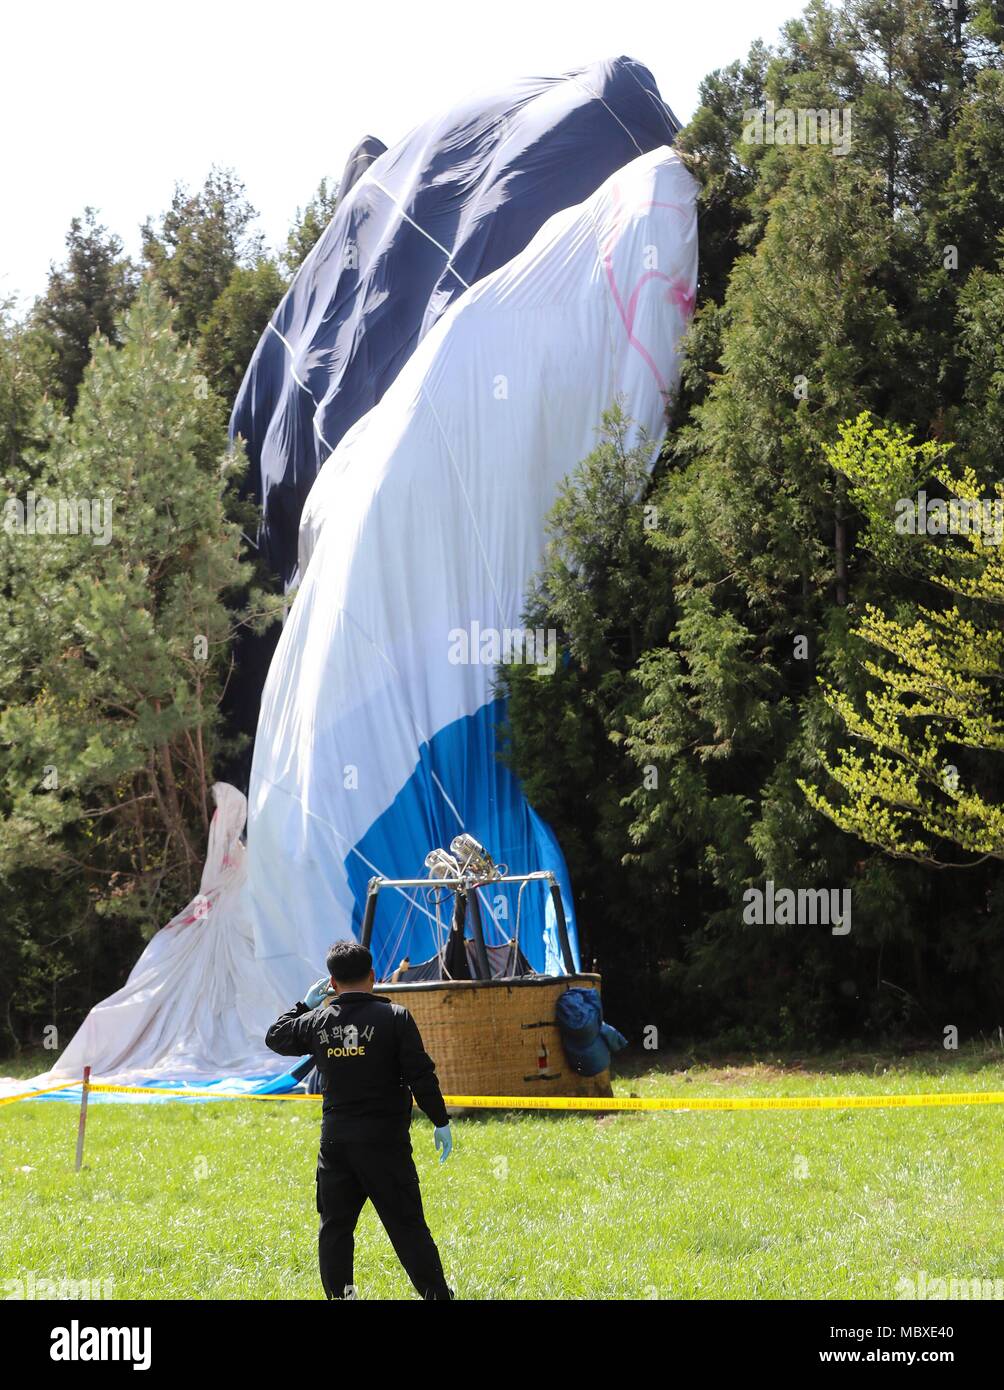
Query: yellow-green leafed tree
[(922, 773)]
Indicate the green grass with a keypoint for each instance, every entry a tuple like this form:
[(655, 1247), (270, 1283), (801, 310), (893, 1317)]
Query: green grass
[(217, 1201)]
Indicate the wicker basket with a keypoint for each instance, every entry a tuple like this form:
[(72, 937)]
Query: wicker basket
[(498, 1037)]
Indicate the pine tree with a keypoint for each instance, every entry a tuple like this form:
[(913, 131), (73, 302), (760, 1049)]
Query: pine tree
[(308, 225), (86, 295), (239, 317), (201, 240), (725, 168), (122, 615), (26, 368)]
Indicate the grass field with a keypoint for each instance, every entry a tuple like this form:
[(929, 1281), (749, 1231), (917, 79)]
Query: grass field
[(217, 1201)]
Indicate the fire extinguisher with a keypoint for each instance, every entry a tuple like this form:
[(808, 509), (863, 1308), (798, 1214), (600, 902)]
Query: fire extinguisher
[(542, 1056)]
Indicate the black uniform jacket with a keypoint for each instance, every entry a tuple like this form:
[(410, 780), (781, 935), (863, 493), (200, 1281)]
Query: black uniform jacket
[(371, 1056)]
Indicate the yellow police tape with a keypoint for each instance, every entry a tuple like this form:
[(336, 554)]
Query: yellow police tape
[(45, 1090), (602, 1103), (727, 1103), (154, 1091)]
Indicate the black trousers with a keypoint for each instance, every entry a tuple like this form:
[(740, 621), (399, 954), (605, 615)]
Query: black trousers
[(348, 1174)]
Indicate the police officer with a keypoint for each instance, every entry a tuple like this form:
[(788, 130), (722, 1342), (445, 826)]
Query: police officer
[(371, 1056)]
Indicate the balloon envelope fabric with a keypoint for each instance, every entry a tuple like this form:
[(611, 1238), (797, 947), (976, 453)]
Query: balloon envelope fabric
[(416, 226), (378, 732)]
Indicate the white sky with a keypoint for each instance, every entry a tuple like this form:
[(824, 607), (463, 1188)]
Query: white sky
[(110, 102)]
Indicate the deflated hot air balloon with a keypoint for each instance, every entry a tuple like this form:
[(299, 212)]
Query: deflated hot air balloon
[(375, 760), (415, 227), (377, 736)]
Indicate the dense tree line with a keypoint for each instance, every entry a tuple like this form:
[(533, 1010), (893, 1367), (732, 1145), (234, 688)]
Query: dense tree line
[(118, 644), (764, 680)]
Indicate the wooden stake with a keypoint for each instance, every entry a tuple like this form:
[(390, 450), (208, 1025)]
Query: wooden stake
[(83, 1117)]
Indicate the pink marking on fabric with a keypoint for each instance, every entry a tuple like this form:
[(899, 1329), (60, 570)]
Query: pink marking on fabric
[(676, 294), (684, 299), (632, 307), (627, 318)]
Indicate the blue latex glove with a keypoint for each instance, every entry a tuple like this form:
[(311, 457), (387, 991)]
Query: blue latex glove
[(444, 1142), (317, 992)]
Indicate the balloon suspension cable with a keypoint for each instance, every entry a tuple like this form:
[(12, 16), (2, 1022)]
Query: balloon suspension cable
[(399, 939), (515, 940)]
